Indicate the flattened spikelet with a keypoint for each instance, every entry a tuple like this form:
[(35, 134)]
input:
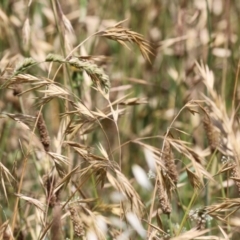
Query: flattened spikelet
[(43, 132), (65, 22), (212, 135), (163, 198), (121, 35), (169, 162), (49, 184), (236, 176), (194, 179), (77, 222)]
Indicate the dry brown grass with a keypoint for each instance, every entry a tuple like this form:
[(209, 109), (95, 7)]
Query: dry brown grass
[(104, 140)]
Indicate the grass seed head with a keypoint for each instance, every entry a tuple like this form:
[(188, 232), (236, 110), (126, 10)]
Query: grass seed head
[(194, 179), (77, 221), (211, 132), (43, 132), (49, 184), (122, 35), (236, 176), (163, 198), (99, 78), (169, 163)]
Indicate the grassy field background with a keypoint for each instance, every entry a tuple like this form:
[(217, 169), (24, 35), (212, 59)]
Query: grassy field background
[(119, 119)]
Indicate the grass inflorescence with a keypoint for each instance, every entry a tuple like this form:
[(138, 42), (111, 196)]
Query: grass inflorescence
[(119, 129)]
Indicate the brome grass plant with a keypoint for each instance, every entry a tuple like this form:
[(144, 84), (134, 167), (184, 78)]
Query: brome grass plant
[(119, 120)]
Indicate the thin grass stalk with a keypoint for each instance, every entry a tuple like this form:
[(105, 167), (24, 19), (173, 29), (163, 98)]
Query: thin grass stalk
[(226, 43), (227, 194), (94, 186), (104, 6), (118, 134), (151, 208), (207, 189), (235, 87), (25, 160), (209, 27), (4, 136), (73, 194), (193, 199), (155, 189), (56, 227), (66, 71)]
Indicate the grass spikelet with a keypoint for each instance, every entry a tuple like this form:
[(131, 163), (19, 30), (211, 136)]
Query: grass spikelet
[(56, 227), (99, 78), (122, 184), (54, 58), (194, 179), (212, 134), (236, 176), (65, 22), (35, 202), (43, 132), (27, 62), (51, 196), (122, 35), (169, 163), (77, 221), (23, 78), (97, 59), (163, 198)]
